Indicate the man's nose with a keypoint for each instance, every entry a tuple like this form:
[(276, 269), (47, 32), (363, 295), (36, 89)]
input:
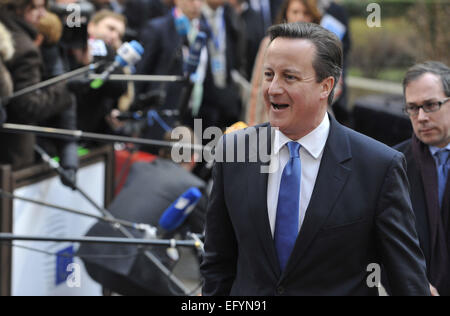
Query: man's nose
[(275, 87), (422, 116)]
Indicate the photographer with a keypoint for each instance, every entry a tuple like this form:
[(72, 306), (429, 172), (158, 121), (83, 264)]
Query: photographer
[(105, 32), (20, 17)]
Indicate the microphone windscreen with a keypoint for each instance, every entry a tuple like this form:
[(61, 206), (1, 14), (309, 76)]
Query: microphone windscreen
[(176, 214), (129, 53)]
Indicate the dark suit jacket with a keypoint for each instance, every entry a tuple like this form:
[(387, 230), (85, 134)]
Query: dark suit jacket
[(418, 198), (222, 106), (359, 213), (162, 56)]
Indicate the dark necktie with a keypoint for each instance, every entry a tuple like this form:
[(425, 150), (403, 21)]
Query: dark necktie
[(287, 219)]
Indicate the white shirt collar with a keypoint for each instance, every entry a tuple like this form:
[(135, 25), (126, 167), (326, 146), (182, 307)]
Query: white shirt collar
[(313, 143), (210, 13)]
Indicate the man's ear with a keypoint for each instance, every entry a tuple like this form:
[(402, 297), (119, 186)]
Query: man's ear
[(326, 87)]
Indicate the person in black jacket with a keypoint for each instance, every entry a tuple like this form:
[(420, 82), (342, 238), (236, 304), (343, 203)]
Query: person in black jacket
[(166, 47), (255, 31), (165, 42), (139, 12), (105, 31), (332, 204), (25, 68), (221, 104), (427, 95)]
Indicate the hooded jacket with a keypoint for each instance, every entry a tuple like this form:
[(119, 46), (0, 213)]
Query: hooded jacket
[(25, 68)]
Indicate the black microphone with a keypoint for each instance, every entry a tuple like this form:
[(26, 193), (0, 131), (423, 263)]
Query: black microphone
[(190, 69)]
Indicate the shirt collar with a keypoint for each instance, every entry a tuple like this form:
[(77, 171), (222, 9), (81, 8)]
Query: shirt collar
[(434, 150), (210, 13), (313, 143)]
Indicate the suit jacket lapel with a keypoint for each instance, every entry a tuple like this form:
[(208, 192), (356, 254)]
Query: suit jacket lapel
[(257, 193), (332, 176)]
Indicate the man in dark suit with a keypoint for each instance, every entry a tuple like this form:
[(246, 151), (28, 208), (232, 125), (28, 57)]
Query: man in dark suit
[(221, 105), (333, 203), (427, 94), (166, 43), (165, 40)]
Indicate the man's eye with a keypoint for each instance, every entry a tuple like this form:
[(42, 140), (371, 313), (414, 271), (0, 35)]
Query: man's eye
[(430, 105), (289, 77)]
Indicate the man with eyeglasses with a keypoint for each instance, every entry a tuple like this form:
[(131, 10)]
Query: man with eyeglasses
[(427, 94)]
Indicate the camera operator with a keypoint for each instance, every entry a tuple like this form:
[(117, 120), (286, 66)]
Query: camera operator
[(105, 31), (20, 17)]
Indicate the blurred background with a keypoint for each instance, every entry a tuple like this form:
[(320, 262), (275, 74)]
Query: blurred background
[(411, 31)]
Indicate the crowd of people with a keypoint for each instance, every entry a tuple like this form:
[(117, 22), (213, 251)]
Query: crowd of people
[(293, 54), (52, 38)]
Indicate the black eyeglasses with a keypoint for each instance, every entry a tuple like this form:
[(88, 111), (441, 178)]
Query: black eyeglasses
[(413, 110)]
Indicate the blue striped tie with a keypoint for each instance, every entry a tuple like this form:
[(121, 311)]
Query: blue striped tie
[(287, 219), (442, 156)]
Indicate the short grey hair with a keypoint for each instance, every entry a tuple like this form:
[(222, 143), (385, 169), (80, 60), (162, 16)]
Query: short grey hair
[(434, 67), (328, 61)]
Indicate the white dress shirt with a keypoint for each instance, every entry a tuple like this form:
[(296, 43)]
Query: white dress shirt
[(311, 153)]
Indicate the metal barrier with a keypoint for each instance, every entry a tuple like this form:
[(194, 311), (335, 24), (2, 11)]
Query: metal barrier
[(28, 180)]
